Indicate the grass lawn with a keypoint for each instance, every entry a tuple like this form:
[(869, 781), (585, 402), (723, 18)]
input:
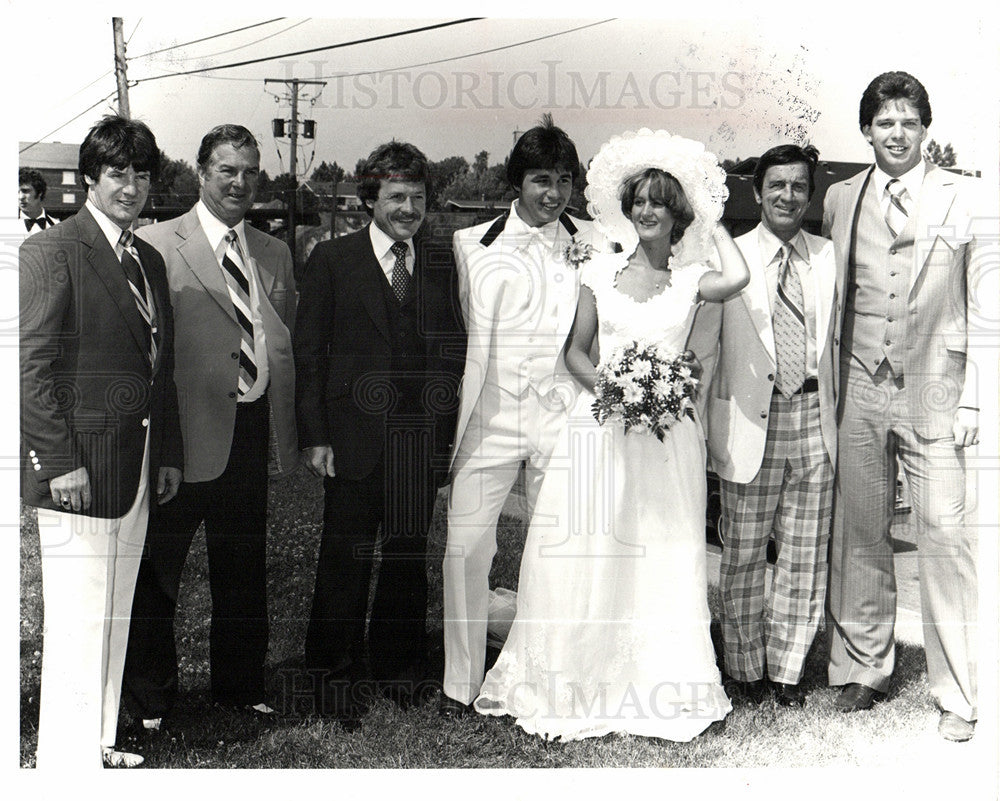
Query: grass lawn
[(899, 734)]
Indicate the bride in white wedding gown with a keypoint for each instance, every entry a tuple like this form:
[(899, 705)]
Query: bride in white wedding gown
[(612, 626)]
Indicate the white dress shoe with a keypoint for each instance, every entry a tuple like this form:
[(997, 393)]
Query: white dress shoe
[(120, 759)]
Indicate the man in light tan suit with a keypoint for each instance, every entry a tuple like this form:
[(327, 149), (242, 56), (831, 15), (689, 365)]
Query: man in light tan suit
[(234, 305), (908, 389), (772, 436)]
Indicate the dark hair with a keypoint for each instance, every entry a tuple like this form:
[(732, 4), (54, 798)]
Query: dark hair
[(665, 189), (787, 154), (121, 143), (544, 147), (32, 178), (894, 86), (393, 161), (235, 135)]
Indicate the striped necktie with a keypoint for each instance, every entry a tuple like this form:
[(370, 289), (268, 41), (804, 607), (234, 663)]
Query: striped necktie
[(139, 286), (400, 275), (896, 214), (238, 282), (789, 327)]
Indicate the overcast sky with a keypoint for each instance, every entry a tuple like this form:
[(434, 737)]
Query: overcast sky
[(739, 84)]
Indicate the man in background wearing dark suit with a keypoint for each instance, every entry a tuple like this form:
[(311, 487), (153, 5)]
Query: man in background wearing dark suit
[(375, 410)]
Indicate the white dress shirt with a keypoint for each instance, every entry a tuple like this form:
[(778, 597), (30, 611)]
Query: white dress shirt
[(216, 230), (382, 245), (912, 179)]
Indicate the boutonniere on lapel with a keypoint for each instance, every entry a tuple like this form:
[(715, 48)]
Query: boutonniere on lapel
[(577, 253)]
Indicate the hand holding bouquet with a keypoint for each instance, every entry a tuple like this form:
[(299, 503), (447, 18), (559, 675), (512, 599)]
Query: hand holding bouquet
[(644, 387)]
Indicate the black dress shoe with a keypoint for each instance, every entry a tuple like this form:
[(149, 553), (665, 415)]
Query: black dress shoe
[(751, 692), (452, 709), (788, 694), (856, 697)]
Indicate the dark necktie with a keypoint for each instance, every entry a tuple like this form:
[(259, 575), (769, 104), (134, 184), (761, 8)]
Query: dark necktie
[(39, 221), (789, 327), (137, 284), (896, 214), (400, 276), (238, 283)]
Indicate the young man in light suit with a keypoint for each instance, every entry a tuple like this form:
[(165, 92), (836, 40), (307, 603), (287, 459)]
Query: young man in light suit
[(908, 389), (772, 435), (518, 293), (234, 306)]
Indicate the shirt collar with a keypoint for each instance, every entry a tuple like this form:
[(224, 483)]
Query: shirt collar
[(911, 179), (770, 244), (382, 243), (109, 227), (518, 227), (216, 230)]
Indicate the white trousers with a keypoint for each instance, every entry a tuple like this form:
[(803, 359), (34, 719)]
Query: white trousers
[(504, 431), (89, 568)]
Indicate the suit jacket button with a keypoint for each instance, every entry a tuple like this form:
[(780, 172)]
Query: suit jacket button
[(38, 467), (31, 453), (234, 356), (232, 394), (763, 415), (892, 251), (770, 376), (145, 422)]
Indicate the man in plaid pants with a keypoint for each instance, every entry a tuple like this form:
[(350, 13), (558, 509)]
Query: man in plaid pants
[(772, 436)]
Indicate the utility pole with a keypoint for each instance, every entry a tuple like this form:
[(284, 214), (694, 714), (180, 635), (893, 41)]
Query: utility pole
[(123, 108), (278, 129)]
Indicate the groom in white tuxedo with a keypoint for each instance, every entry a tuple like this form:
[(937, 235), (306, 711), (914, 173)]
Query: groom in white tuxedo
[(518, 292)]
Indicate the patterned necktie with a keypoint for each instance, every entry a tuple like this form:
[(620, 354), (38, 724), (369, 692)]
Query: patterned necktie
[(139, 288), (238, 282), (896, 214), (400, 276), (789, 327)]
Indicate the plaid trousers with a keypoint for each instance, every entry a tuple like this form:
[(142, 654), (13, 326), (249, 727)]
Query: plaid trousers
[(791, 496)]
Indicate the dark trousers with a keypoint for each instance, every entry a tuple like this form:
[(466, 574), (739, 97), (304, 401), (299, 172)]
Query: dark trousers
[(398, 497), (234, 510)]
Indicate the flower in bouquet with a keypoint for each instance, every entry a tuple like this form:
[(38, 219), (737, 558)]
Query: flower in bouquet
[(645, 388)]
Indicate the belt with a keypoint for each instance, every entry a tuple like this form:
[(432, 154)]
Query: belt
[(809, 385)]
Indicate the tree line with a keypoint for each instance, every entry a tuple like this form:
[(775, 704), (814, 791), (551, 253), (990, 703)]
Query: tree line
[(452, 178)]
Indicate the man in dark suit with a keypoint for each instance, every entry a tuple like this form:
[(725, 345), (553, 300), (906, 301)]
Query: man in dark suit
[(375, 407), (99, 433), (234, 303), (30, 195)]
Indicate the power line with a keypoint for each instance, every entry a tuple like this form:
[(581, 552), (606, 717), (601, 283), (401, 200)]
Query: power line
[(470, 55), (249, 44), (134, 30), (366, 40), (72, 119), (207, 38), (428, 63)]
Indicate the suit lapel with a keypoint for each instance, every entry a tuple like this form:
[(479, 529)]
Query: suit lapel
[(936, 198), (105, 264), (200, 258), (259, 246), (370, 282), (755, 296), (823, 268)]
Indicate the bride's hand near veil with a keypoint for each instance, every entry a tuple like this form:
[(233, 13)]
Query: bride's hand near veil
[(581, 339), (734, 276)]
